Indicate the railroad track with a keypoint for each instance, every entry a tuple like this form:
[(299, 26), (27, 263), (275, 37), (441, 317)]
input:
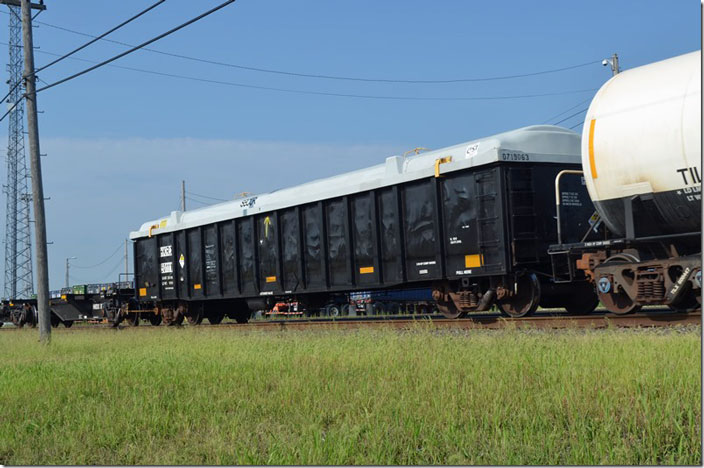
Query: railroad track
[(547, 321), (542, 320)]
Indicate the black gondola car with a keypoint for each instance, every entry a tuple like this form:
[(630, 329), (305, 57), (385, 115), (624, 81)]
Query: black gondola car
[(472, 221)]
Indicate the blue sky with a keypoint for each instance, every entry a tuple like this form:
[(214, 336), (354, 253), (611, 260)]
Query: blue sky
[(120, 141)]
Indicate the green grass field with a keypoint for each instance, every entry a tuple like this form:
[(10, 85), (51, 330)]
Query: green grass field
[(226, 396)]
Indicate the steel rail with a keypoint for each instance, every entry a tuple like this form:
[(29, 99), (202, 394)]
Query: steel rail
[(485, 321), (494, 322)]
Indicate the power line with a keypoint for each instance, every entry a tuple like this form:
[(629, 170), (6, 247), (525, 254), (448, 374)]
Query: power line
[(198, 201), (118, 265), (98, 264), (97, 38), (329, 77), (323, 76), (576, 125), (207, 197), (321, 93), (567, 110), (150, 41), (570, 116)]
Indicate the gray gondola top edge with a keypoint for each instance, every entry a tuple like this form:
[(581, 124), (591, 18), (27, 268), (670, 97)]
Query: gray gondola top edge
[(538, 143)]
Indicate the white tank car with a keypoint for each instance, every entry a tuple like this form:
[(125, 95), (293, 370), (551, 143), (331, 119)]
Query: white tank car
[(642, 136)]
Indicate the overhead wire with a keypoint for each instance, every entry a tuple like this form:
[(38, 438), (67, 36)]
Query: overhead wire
[(97, 38), (570, 116), (135, 48), (198, 201), (325, 76), (205, 196), (101, 263), (14, 105), (79, 48), (117, 265), (567, 110), (321, 93)]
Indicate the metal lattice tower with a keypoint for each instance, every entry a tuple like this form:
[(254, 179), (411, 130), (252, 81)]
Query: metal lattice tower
[(19, 282)]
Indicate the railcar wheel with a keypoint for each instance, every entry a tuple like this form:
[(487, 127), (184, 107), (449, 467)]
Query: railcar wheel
[(155, 319), (443, 301), (450, 310), (194, 319), (346, 308), (33, 319), (242, 316), (617, 302), (687, 302), (332, 310), (133, 319), (215, 317), (526, 298), (177, 320), (176, 316), (68, 323), (55, 321)]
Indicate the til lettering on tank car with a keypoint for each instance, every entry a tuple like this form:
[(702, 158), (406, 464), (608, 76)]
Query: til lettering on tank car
[(641, 154)]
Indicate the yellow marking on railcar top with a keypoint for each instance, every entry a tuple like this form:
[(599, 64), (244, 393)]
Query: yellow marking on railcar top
[(197, 286), (162, 224), (271, 279), (366, 270), (592, 163), (142, 291), (473, 261)]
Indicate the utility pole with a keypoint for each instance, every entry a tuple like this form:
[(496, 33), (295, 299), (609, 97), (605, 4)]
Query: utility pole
[(614, 64), (183, 195), (36, 172), (67, 268)]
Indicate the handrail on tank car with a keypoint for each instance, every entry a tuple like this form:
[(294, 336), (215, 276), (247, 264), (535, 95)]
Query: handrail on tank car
[(557, 198)]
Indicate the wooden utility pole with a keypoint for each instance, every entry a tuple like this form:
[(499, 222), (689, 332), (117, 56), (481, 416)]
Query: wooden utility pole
[(36, 172)]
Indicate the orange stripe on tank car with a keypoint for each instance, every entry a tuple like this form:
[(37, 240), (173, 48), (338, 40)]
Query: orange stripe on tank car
[(592, 163)]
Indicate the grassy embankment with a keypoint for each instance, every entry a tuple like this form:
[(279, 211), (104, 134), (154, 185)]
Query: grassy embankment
[(227, 396)]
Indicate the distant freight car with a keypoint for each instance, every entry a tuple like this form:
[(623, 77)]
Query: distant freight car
[(473, 222)]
